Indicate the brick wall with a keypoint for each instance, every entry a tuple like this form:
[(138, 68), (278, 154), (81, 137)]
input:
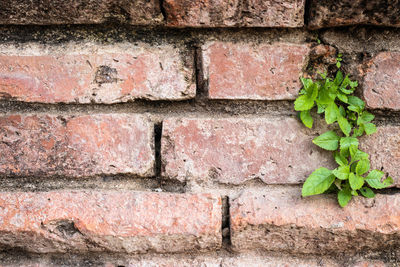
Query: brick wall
[(162, 133)]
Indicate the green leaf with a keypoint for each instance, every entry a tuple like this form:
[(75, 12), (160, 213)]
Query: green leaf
[(357, 102), (303, 102), (321, 108), (374, 180), (342, 98), (306, 83), (362, 166), (339, 78), (346, 142), (344, 125), (367, 192), (370, 128), (306, 118), (331, 113), (318, 182), (356, 181), (354, 193), (328, 141), (353, 150), (360, 155), (342, 172), (358, 131), (366, 116), (340, 159), (344, 196)]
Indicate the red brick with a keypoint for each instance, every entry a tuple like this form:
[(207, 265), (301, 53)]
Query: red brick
[(157, 73), (117, 221), (384, 150), (46, 145), (327, 13), (233, 151), (44, 12), (381, 82), (280, 220), (256, 13), (250, 71)]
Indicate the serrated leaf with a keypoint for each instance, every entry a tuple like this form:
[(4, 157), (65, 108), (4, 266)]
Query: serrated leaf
[(366, 116), (342, 161), (328, 141), (344, 125), (374, 180), (354, 193), (346, 142), (342, 172), (353, 150), (357, 102), (358, 131), (356, 181), (344, 196), (362, 166), (331, 113), (321, 109), (318, 182), (370, 128), (342, 98), (303, 102), (306, 83), (367, 192), (360, 155), (339, 78), (306, 118)]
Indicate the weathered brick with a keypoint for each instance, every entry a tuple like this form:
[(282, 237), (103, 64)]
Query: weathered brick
[(44, 12), (327, 13), (250, 71), (155, 73), (381, 82), (255, 13), (384, 150), (118, 221), (233, 151), (46, 145), (281, 220)]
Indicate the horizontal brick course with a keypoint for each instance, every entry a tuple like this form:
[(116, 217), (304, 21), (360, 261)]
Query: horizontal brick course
[(228, 13), (45, 12), (384, 150), (327, 13), (77, 146), (233, 151), (132, 222), (381, 81), (155, 73), (253, 71), (281, 220)]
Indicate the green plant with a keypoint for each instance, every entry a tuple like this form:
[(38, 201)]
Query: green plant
[(333, 97)]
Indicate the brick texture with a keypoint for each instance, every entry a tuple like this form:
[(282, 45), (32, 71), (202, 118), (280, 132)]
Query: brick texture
[(255, 13), (281, 220), (382, 81), (62, 221), (234, 151), (253, 71), (327, 13), (384, 150), (45, 12), (155, 73), (46, 145)]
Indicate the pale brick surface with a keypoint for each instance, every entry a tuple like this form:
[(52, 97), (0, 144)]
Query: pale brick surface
[(154, 73), (384, 150), (234, 151), (382, 81), (228, 13), (119, 221), (281, 220), (87, 145), (253, 71)]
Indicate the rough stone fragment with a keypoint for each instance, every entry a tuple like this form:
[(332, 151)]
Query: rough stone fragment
[(77, 146), (381, 82), (280, 220), (236, 13), (233, 151), (327, 13), (384, 150), (117, 221), (46, 12), (253, 71), (155, 73)]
